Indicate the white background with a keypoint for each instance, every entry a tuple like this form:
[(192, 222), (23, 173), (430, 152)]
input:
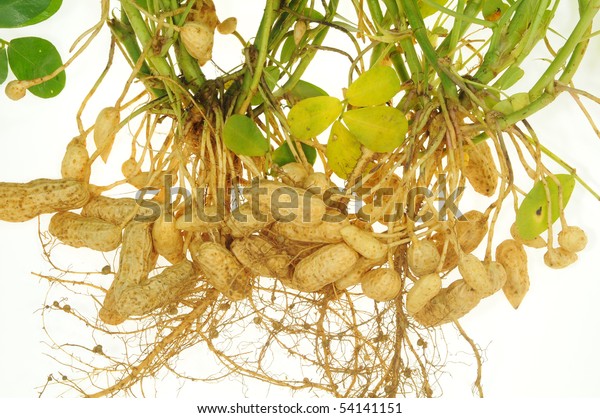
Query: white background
[(547, 348)]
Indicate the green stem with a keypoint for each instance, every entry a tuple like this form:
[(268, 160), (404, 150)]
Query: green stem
[(189, 67), (579, 32), (412, 58), (158, 64), (262, 45), (460, 28), (416, 22)]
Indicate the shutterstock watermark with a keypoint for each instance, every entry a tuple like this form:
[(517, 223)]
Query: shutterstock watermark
[(264, 200)]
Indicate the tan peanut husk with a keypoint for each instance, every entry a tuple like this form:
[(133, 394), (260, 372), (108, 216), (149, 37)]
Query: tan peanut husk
[(136, 260), (475, 274), (469, 233), (364, 242), (221, 269), (422, 291), (245, 220), (573, 239), (167, 239), (20, 202), (559, 258), (325, 232), (203, 219), (451, 303), (357, 272), (261, 258), (480, 169), (423, 257), (512, 256), (382, 284), (76, 161), (81, 231), (105, 130), (158, 291), (324, 266), (120, 210)]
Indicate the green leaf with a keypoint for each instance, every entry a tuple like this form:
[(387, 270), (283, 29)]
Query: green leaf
[(242, 136), (492, 10), (427, 10), (3, 65), (380, 128), (283, 155), (309, 117), (32, 58), (374, 87), (46, 14), (532, 215), (305, 90), (271, 75), (343, 151), (14, 13), (287, 50)]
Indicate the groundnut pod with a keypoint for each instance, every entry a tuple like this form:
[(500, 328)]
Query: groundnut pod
[(325, 232), (324, 266), (158, 291), (221, 269), (469, 234), (475, 274), (496, 276), (424, 289), (105, 130), (423, 257), (260, 257), (286, 203), (451, 303), (121, 210), (356, 274), (198, 39), (537, 242), (228, 26), (382, 284), (167, 239), (81, 231), (363, 242), (558, 258), (513, 258), (318, 183), (573, 239), (20, 202), (75, 164), (293, 174), (245, 220), (480, 169), (137, 260)]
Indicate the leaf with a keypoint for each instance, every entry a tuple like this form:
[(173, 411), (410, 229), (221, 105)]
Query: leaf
[(374, 87), (243, 137), (287, 50), (380, 128), (532, 215), (271, 75), (343, 151), (46, 14), (309, 117), (305, 90), (283, 155), (3, 65), (14, 13), (427, 10), (32, 58), (492, 10)]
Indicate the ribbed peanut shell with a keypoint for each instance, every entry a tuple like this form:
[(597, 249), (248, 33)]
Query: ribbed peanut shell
[(480, 169), (382, 284), (20, 202), (221, 269), (422, 291), (105, 130), (559, 258), (285, 203), (497, 277), (75, 163), (158, 291), (573, 239), (357, 272), (202, 219), (167, 239), (475, 274), (363, 242), (198, 39), (81, 231), (451, 303), (423, 257), (118, 211), (325, 232), (244, 220), (260, 257), (513, 258), (324, 266), (137, 259), (469, 234)]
